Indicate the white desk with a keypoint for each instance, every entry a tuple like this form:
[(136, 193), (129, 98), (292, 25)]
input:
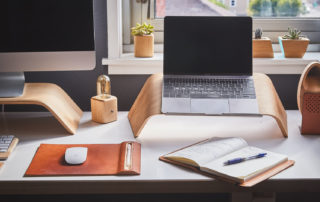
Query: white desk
[(161, 135)]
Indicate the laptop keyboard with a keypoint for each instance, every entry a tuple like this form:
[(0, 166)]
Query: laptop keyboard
[(209, 88)]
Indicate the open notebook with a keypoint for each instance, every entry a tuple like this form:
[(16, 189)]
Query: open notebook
[(209, 156)]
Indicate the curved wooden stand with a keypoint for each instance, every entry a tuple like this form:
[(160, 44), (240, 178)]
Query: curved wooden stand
[(148, 102), (309, 82), (308, 98), (53, 98)]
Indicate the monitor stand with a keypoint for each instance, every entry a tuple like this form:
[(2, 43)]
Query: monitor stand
[(53, 98), (11, 84)]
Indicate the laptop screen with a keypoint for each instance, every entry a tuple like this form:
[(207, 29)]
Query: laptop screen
[(208, 45)]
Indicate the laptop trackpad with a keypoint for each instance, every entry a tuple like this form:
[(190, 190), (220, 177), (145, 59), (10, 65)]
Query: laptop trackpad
[(175, 105), (244, 106), (210, 106)]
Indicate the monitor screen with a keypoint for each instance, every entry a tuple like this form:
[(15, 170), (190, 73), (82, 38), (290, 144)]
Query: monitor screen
[(46, 35), (208, 45), (37, 25)]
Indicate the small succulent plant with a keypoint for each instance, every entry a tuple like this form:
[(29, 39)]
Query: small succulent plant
[(258, 33), (293, 34), (142, 29)]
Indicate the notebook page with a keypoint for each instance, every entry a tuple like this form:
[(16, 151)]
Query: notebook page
[(247, 169), (210, 150)]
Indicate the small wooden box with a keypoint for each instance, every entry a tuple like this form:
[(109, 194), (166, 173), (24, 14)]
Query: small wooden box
[(293, 48), (262, 48), (104, 108)]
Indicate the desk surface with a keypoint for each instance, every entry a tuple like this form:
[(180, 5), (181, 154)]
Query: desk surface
[(162, 134)]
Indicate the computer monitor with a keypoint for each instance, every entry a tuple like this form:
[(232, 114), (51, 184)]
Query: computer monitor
[(38, 35)]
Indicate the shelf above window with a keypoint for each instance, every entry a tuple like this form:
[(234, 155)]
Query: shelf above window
[(127, 64)]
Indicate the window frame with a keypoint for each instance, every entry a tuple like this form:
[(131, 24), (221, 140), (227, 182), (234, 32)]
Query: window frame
[(272, 27), (120, 63)]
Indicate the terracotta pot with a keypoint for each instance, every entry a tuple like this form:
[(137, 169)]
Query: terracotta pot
[(262, 48), (293, 48), (143, 46)]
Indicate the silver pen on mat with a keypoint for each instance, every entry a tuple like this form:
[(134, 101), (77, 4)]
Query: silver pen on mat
[(128, 156)]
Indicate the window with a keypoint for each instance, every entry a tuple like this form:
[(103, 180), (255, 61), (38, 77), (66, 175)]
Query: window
[(232, 3), (273, 16), (123, 14)]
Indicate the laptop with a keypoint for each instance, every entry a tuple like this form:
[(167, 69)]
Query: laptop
[(208, 66)]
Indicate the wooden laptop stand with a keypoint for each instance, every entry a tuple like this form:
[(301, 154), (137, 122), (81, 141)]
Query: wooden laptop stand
[(148, 102), (53, 98)]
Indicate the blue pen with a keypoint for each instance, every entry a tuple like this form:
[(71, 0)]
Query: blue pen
[(239, 160)]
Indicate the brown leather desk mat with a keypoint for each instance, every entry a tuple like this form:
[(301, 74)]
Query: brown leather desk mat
[(148, 102), (102, 159)]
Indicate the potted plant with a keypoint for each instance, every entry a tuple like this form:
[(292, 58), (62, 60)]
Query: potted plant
[(143, 40), (261, 46), (293, 45)]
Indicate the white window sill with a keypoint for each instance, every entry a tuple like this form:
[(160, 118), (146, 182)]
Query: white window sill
[(128, 64)]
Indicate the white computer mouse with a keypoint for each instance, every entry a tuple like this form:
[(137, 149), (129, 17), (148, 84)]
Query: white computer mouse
[(76, 155)]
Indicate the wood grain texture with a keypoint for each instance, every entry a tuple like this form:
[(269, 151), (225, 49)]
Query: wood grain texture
[(262, 48), (148, 102), (144, 46), (13, 145), (309, 82), (53, 98), (269, 101), (308, 95), (104, 110), (294, 48)]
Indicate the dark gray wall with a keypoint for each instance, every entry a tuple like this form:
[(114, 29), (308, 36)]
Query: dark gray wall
[(81, 85), (286, 86)]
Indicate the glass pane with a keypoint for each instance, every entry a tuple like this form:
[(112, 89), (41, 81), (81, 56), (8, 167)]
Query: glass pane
[(256, 8)]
